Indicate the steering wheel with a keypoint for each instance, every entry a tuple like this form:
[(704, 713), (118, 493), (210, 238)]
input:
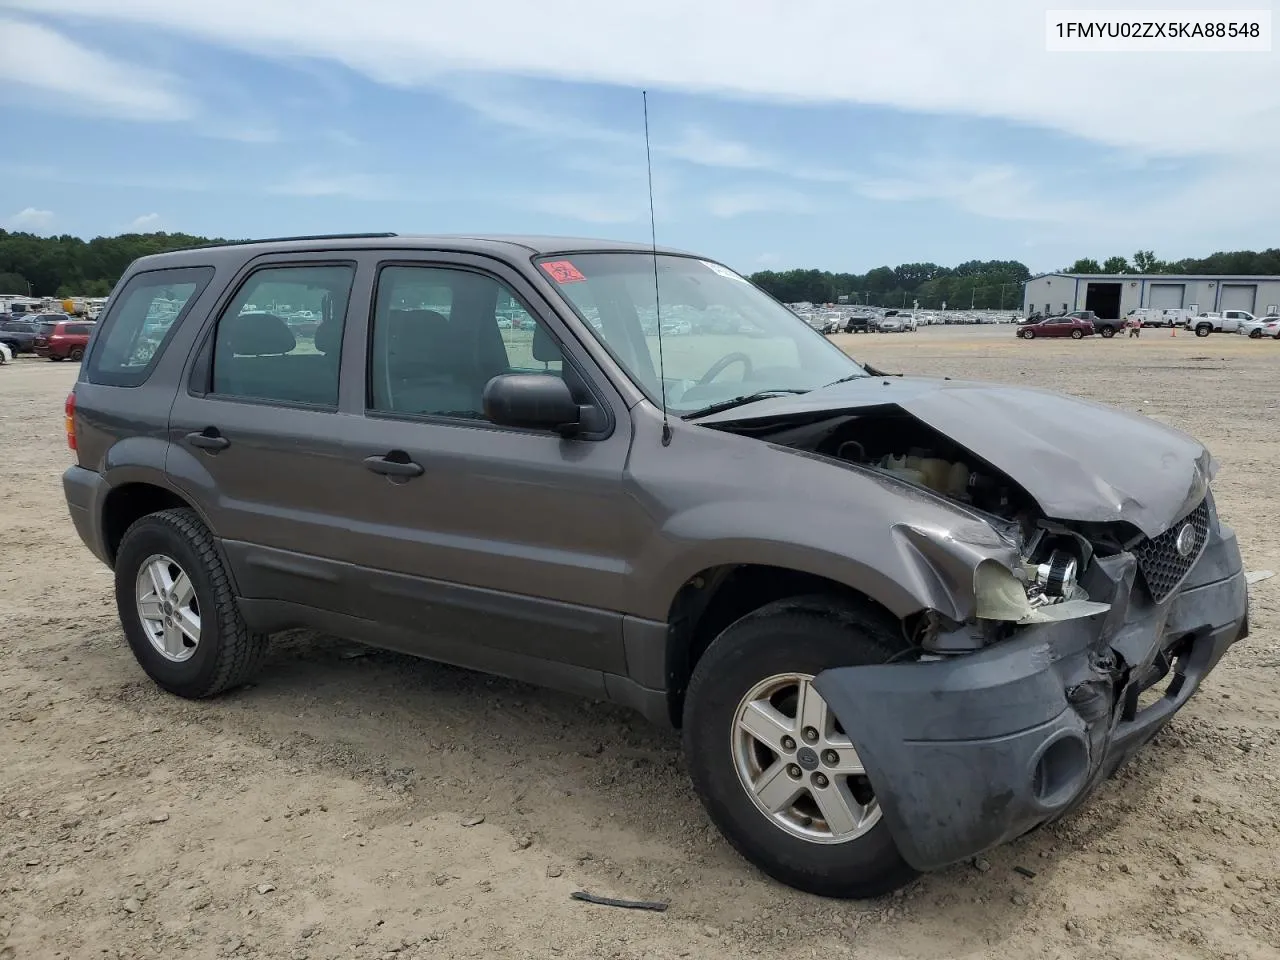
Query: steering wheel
[(728, 360)]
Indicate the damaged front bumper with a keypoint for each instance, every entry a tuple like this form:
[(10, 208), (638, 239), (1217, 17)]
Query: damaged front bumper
[(969, 752)]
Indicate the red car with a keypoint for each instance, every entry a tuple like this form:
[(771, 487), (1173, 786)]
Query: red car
[(62, 339), (1067, 326)]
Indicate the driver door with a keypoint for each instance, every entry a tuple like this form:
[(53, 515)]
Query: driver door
[(502, 543)]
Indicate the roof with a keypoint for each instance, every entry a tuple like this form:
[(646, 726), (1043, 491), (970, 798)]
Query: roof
[(1162, 277), (506, 244)]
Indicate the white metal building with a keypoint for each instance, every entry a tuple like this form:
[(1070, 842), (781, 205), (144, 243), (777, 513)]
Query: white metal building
[(1113, 295)]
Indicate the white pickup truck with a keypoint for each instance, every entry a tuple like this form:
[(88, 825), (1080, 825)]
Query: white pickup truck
[(1228, 321)]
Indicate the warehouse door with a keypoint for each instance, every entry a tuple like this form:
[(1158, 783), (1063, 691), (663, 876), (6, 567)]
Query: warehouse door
[(1166, 295), (1238, 296), (1104, 300)]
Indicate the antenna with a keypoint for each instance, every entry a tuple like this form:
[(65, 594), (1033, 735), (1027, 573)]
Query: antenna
[(657, 301)]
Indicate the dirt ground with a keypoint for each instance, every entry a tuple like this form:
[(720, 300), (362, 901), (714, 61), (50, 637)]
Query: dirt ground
[(331, 809)]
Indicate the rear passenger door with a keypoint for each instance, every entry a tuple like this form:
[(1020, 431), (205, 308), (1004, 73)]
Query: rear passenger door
[(504, 549), (254, 431)]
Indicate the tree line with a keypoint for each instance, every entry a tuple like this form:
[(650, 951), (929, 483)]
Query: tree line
[(68, 266)]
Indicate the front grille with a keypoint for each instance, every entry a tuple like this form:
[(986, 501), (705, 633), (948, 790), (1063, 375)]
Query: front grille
[(1163, 568)]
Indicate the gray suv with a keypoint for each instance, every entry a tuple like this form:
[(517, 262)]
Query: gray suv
[(899, 621)]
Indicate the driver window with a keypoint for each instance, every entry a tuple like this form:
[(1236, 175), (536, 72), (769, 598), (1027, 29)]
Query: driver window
[(441, 334)]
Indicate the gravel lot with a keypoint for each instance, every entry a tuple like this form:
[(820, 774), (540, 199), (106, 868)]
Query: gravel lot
[(331, 809)]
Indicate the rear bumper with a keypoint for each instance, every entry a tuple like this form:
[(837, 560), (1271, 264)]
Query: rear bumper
[(85, 491), (970, 752)]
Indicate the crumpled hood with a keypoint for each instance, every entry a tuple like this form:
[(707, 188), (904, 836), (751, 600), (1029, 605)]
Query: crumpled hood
[(1080, 460)]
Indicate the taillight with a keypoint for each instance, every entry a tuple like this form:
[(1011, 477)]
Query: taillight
[(69, 418)]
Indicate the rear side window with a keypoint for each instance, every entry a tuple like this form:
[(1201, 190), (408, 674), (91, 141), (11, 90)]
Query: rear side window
[(280, 338), (142, 318), (78, 329)]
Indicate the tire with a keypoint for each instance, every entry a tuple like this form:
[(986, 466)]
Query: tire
[(227, 653), (1204, 330), (804, 636), (1077, 334), (55, 358), (77, 354), (1107, 332), (1028, 334), (1255, 334)]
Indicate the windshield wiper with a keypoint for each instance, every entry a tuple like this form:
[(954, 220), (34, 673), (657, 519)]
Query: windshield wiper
[(739, 401), (853, 376)]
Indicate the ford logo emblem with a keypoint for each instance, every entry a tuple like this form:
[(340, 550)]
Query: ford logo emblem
[(1186, 541)]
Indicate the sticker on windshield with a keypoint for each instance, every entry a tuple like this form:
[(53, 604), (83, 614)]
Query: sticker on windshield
[(723, 271), (562, 271)]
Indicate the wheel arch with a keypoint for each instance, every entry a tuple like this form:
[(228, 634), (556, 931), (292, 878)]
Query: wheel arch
[(711, 600), (129, 499)]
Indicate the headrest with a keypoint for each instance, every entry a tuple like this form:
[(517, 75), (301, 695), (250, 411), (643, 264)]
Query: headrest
[(259, 335), (545, 348), (329, 337), (422, 331)]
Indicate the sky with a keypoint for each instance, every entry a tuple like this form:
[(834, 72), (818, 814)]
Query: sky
[(838, 134)]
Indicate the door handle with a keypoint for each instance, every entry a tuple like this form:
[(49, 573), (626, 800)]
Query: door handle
[(394, 468), (208, 439)]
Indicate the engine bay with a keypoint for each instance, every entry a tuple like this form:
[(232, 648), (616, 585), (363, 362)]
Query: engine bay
[(890, 442)]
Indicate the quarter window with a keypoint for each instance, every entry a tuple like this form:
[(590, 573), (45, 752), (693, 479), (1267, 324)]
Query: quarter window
[(142, 318), (440, 335), (281, 337)]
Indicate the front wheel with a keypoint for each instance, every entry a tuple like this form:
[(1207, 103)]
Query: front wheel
[(1255, 334), (771, 763), (1028, 334), (55, 358), (175, 603), (1203, 330), (1077, 334)]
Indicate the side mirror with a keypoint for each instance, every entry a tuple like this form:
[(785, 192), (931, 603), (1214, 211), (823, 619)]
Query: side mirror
[(537, 400)]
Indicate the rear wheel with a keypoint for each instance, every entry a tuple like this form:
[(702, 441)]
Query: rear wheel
[(771, 763), (77, 354), (1108, 332), (1255, 334), (177, 609), (1077, 334), (55, 358)]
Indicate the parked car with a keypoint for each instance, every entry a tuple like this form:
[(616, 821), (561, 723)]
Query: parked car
[(1106, 328), (21, 330), (1255, 328), (1150, 317), (18, 335), (894, 324), (1266, 327), (1064, 326), (63, 339), (858, 323), (1213, 321), (898, 621)]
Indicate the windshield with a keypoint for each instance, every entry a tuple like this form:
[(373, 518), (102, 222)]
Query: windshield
[(722, 338)]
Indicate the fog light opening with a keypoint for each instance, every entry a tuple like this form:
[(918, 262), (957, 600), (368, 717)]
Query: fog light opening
[(1060, 771)]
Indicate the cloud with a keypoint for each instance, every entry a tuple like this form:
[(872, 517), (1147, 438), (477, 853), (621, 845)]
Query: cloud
[(734, 203), (73, 78), (146, 222), (355, 186), (30, 220), (588, 207), (974, 49)]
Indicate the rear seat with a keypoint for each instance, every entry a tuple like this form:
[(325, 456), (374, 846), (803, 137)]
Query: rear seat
[(255, 358)]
